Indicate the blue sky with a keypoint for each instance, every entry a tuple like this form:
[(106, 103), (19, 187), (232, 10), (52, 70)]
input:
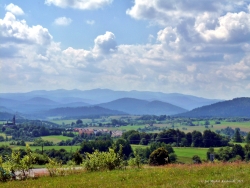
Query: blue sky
[(193, 47)]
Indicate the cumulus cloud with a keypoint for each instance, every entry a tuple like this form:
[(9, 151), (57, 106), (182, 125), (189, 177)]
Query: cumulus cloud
[(63, 21), (233, 27), (14, 9), (105, 43), (14, 30), (79, 4), (201, 45)]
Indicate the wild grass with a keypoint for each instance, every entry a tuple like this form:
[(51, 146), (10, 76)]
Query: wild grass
[(219, 175)]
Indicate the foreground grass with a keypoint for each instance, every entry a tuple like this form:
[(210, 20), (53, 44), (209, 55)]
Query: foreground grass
[(205, 175)]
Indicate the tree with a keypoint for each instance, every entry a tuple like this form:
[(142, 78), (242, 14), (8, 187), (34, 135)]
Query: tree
[(134, 138), (197, 139), (159, 157), (248, 138), (126, 147), (77, 158), (237, 137), (237, 149), (79, 121)]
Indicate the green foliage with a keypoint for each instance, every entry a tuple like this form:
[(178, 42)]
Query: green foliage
[(159, 157), (237, 136), (5, 173), (21, 164), (54, 167), (103, 160), (126, 147), (136, 161), (248, 138), (77, 158), (196, 159)]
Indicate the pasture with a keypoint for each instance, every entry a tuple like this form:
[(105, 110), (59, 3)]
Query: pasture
[(56, 138), (184, 154), (219, 175)]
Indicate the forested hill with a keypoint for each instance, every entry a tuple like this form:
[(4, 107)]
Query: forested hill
[(238, 107), (139, 107), (81, 111)]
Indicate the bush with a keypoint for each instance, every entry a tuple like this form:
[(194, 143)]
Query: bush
[(172, 157), (196, 159), (135, 162), (103, 160), (159, 157), (54, 167)]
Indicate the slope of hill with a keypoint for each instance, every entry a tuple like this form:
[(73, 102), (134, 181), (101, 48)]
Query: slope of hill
[(139, 107), (81, 111), (97, 96), (238, 107)]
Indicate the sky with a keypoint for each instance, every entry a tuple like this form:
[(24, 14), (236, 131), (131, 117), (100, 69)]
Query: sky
[(194, 47)]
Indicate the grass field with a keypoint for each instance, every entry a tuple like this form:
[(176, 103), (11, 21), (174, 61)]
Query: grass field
[(56, 138), (184, 154), (170, 176)]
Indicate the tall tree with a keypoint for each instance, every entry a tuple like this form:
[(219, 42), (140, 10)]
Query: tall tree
[(237, 137)]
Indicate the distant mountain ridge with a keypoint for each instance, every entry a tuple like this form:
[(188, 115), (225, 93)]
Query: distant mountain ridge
[(81, 111), (238, 107), (143, 107), (97, 96)]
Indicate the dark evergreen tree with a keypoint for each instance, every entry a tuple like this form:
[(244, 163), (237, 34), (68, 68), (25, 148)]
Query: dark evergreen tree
[(237, 136)]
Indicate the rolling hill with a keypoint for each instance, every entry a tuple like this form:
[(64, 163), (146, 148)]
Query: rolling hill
[(238, 107), (97, 96), (80, 111), (140, 107)]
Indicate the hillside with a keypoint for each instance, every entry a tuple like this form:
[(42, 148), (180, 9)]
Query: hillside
[(238, 107), (97, 96), (139, 107), (80, 111)]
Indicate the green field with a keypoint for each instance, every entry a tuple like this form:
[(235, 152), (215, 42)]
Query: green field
[(184, 154), (219, 175), (56, 138)]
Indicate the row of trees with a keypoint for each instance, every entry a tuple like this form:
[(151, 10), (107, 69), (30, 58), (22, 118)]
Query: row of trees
[(234, 153), (178, 138)]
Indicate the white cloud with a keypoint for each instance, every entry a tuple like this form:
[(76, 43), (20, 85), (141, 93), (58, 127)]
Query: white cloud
[(63, 21), (79, 4), (14, 9), (14, 30), (105, 43), (233, 27), (90, 22), (187, 55)]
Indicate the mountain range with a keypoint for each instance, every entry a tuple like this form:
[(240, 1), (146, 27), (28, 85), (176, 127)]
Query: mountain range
[(238, 107), (125, 102)]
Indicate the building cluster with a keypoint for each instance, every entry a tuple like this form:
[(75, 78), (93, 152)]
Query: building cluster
[(89, 131)]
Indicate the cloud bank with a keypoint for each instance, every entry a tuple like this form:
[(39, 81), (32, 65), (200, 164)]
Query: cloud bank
[(202, 48)]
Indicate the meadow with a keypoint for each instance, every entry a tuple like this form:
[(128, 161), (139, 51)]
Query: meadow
[(219, 175), (184, 154), (56, 138)]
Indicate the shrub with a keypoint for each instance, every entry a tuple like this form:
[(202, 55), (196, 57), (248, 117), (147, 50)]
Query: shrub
[(53, 167), (103, 160), (135, 162), (196, 159), (159, 157)]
